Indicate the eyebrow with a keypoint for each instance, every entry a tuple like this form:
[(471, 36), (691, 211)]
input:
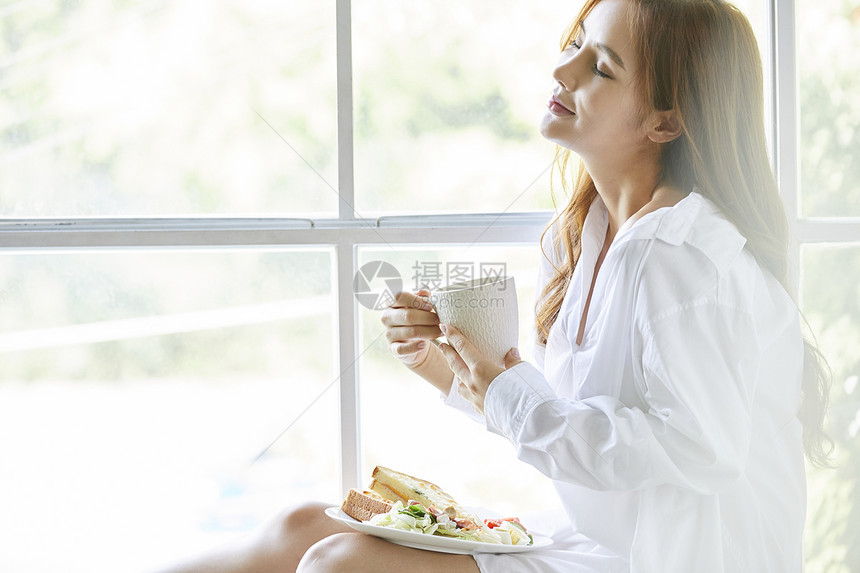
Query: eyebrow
[(613, 55)]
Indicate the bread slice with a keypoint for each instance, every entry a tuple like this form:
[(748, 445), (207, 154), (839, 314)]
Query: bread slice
[(362, 505), (397, 486)]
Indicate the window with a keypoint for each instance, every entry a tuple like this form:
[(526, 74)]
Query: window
[(138, 386), (188, 189), (440, 125), (828, 205), (150, 108)]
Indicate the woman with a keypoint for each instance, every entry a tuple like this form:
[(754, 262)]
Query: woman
[(664, 402)]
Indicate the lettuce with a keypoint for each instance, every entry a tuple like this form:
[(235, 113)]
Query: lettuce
[(419, 519)]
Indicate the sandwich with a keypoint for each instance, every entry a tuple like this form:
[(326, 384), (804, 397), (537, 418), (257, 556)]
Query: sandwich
[(401, 501), (404, 488), (362, 505), (389, 486)]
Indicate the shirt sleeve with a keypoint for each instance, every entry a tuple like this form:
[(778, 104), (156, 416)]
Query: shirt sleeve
[(694, 432)]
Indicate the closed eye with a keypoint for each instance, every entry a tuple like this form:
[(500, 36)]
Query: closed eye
[(598, 73), (575, 43)]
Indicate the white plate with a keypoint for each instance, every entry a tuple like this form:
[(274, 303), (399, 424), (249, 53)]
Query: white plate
[(434, 542)]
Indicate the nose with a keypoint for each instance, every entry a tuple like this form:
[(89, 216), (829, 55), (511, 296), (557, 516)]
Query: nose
[(565, 71)]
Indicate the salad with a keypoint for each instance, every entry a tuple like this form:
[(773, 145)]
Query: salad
[(419, 519)]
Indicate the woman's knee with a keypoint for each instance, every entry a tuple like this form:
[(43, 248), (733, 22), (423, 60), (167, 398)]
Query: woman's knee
[(333, 554), (286, 537), (301, 519)]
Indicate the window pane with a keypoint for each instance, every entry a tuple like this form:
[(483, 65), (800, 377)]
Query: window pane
[(831, 301), (136, 389), (448, 96), (112, 108), (429, 439), (828, 38)]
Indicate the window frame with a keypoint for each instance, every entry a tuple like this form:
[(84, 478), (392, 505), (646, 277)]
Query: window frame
[(349, 231), (785, 139)]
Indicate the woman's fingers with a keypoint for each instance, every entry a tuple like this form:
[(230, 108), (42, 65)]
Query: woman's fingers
[(473, 369), (417, 300), (410, 323), (512, 358), (395, 318), (462, 345), (408, 348), (456, 363), (405, 333)]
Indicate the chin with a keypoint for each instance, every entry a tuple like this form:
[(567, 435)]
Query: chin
[(558, 134), (551, 133), (559, 140)]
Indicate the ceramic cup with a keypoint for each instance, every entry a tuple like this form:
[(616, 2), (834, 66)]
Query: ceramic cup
[(485, 311)]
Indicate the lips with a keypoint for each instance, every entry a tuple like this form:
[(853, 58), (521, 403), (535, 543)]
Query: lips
[(558, 108)]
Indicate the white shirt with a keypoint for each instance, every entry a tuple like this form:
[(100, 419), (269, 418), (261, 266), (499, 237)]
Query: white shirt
[(671, 431)]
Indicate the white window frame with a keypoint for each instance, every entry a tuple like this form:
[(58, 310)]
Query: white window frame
[(349, 231)]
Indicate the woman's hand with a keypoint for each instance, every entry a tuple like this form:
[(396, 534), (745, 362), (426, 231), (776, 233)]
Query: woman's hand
[(474, 370), (410, 324)]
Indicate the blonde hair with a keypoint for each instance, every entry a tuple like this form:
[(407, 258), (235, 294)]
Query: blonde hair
[(703, 62)]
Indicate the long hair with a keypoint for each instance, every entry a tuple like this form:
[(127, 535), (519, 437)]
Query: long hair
[(703, 62)]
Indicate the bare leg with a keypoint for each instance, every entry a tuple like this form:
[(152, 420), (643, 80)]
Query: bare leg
[(360, 553), (277, 546)]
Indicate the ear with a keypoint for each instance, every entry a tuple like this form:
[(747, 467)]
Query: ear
[(664, 126)]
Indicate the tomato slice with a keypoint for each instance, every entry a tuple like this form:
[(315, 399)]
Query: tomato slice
[(493, 523)]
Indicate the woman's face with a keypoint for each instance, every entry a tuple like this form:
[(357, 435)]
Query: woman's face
[(594, 107)]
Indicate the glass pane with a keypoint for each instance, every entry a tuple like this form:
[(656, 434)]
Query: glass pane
[(831, 302), (448, 96), (118, 108), (828, 36), (136, 390), (459, 465)]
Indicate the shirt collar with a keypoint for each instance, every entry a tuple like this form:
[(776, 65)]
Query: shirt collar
[(670, 224), (675, 225), (719, 240), (677, 222)]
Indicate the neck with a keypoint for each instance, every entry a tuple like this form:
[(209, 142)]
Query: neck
[(626, 192)]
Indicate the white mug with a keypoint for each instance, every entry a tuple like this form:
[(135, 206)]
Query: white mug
[(484, 310)]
